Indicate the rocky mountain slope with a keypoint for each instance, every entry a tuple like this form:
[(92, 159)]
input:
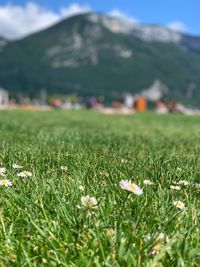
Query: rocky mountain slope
[(96, 54)]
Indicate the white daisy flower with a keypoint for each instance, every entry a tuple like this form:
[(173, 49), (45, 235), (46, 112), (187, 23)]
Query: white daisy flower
[(175, 187), (148, 182), (179, 204), (16, 166), (64, 168), (130, 186), (89, 202), (25, 174), (5, 183), (2, 174), (2, 170)]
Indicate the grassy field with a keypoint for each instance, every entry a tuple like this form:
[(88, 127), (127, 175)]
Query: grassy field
[(42, 219)]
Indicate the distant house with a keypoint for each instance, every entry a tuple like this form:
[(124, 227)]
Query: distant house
[(4, 97)]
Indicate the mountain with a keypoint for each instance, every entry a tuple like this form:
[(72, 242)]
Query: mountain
[(94, 54)]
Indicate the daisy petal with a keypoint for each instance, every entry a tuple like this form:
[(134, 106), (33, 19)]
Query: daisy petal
[(131, 187)]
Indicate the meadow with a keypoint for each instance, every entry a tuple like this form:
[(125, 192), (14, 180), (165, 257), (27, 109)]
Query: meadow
[(44, 219)]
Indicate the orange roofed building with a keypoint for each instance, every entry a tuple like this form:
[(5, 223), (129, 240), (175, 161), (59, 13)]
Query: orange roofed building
[(140, 104)]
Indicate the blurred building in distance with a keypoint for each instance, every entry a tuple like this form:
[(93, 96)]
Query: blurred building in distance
[(129, 100), (4, 98), (156, 91), (161, 107)]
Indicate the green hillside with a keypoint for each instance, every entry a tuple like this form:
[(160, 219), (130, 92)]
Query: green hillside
[(84, 56)]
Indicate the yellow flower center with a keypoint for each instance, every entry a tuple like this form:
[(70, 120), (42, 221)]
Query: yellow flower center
[(133, 187), (157, 247), (179, 204), (4, 182)]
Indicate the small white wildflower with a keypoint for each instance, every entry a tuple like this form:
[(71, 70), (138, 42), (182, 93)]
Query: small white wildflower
[(25, 174), (147, 237), (44, 260), (16, 166), (81, 188), (110, 232), (157, 236), (124, 161), (2, 170), (184, 182), (89, 202), (197, 185), (179, 204), (5, 183), (175, 187), (178, 169), (123, 240), (181, 182), (130, 186), (64, 168), (104, 174), (156, 250), (161, 237), (148, 182)]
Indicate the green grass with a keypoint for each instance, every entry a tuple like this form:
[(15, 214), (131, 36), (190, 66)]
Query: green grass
[(40, 223)]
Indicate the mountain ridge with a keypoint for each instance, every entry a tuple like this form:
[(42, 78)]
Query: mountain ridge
[(93, 54)]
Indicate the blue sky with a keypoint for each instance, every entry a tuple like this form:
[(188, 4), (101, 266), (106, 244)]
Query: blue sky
[(179, 14)]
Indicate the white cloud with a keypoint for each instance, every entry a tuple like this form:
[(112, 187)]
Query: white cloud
[(177, 26), (17, 21), (119, 14), (74, 9)]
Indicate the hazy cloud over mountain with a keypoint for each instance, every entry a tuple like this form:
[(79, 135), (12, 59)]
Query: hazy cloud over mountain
[(17, 21), (119, 14), (177, 26)]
